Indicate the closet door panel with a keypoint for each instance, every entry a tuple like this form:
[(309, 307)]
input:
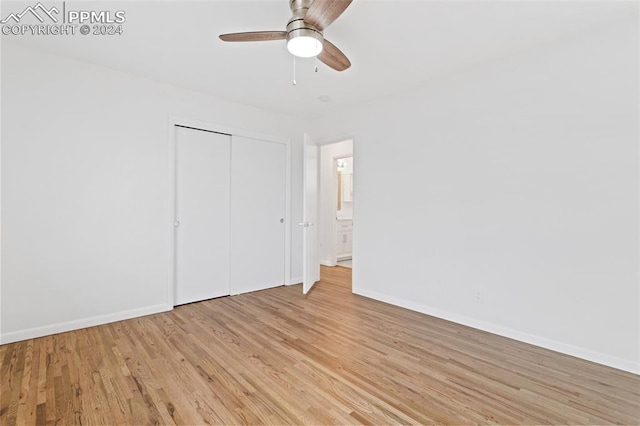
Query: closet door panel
[(203, 177), (258, 200)]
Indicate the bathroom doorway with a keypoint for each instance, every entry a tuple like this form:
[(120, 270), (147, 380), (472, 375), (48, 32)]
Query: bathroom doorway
[(336, 205)]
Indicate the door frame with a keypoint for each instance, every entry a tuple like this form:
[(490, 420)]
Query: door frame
[(233, 131)]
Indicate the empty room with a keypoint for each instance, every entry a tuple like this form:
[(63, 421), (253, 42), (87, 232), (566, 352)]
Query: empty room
[(315, 212)]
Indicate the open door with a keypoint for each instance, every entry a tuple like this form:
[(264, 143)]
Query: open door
[(310, 257)]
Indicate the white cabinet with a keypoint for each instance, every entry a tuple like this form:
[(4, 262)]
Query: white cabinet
[(344, 238)]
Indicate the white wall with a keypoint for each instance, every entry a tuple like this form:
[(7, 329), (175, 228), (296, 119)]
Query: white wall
[(519, 181), (85, 189), (327, 188)]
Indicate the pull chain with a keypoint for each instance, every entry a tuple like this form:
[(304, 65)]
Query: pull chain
[(294, 70), (316, 66)]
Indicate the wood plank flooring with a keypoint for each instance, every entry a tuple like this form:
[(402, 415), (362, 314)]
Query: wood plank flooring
[(278, 357)]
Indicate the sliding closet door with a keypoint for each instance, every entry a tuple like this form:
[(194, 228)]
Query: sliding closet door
[(202, 214), (258, 200)]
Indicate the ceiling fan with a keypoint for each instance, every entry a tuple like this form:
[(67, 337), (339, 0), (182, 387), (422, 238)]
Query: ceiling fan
[(304, 32)]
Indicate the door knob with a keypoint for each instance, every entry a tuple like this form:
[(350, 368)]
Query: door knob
[(281, 220), (176, 223)]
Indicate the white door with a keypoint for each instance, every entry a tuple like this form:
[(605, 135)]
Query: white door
[(258, 202), (202, 214), (310, 256)]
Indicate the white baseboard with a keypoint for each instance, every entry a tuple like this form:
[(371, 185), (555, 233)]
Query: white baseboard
[(295, 281), (32, 333), (327, 263), (554, 345)]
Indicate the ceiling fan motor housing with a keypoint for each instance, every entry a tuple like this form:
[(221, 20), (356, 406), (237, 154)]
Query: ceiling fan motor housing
[(297, 27)]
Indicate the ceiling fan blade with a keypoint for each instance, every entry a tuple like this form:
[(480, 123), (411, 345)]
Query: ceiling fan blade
[(333, 57), (321, 13), (255, 36)]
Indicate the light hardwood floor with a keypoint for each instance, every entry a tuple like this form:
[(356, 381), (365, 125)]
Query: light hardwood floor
[(277, 357)]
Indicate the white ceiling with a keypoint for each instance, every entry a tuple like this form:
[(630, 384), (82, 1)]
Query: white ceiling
[(393, 45)]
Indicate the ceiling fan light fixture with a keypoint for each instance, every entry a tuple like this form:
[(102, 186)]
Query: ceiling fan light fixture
[(304, 32), (304, 43)]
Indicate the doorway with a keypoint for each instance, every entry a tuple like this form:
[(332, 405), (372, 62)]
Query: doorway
[(336, 206)]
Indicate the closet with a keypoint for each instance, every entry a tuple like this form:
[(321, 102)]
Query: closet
[(230, 202)]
